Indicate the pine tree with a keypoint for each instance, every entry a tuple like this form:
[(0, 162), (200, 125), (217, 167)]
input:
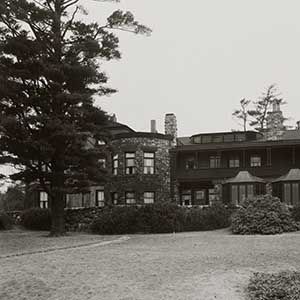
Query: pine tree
[(242, 113), (49, 73)]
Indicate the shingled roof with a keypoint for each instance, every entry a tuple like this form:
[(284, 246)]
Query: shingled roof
[(244, 177), (292, 175)]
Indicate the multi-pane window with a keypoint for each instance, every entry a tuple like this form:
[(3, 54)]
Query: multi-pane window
[(115, 164), (217, 138), (240, 192), (86, 199), (291, 193), (100, 198), (255, 161), (130, 167), (149, 197), (206, 139), (130, 198), (215, 161), (102, 163), (240, 137), (43, 200), (114, 198), (234, 162), (149, 162), (200, 198), (229, 138), (186, 197), (190, 163)]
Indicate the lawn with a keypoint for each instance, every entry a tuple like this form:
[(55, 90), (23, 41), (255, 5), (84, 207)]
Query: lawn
[(198, 265)]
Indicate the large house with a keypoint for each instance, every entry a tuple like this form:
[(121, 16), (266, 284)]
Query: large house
[(147, 167), (229, 166)]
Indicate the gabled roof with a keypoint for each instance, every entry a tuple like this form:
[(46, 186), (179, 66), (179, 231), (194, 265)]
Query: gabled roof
[(244, 177), (292, 175)]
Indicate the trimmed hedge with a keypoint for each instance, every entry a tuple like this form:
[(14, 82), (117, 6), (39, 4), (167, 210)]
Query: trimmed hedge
[(160, 218), (36, 219), (263, 215), (5, 221), (279, 286)]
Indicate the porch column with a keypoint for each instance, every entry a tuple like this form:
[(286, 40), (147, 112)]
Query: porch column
[(294, 156), (269, 156)]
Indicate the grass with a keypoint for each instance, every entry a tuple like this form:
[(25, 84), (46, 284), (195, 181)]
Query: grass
[(204, 265)]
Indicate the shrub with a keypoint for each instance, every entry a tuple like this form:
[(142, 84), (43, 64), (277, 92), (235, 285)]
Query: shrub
[(296, 213), (283, 285), (159, 218), (36, 219), (5, 221), (263, 215)]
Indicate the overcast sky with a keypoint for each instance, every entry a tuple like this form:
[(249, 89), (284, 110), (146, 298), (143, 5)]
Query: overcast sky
[(202, 58)]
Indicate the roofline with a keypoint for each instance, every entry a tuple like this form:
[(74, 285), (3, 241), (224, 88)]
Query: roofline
[(236, 145), (151, 135), (224, 132)]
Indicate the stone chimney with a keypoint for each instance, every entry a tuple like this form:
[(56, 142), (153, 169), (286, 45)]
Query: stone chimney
[(298, 125), (171, 126), (153, 126), (275, 127)]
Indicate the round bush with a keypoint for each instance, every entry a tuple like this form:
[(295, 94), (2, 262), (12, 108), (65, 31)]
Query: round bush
[(263, 215), (36, 219), (5, 221)]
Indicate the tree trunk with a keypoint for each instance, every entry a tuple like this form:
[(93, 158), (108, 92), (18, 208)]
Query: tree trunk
[(58, 227), (58, 205)]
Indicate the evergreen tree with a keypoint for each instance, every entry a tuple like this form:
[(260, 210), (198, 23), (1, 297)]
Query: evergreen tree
[(49, 73)]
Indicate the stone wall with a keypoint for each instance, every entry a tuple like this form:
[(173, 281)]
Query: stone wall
[(159, 182)]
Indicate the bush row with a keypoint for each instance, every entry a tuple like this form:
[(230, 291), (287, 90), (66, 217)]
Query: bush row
[(160, 218), (156, 218), (5, 221)]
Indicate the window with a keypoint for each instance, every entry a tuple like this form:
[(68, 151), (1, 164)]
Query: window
[(130, 163), (229, 138), (43, 200), (206, 139), (100, 198), (102, 163), (215, 161), (255, 161), (86, 199), (149, 197), (234, 162), (234, 195), (130, 197), (200, 198), (217, 138), (186, 197), (240, 137), (190, 163), (197, 139), (149, 162), (287, 193), (115, 164), (291, 193), (114, 198)]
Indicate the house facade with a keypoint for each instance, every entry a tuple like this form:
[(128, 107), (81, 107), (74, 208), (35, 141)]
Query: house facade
[(149, 167), (230, 166)]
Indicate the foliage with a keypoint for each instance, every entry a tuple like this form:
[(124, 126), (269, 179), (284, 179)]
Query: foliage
[(13, 199), (262, 107), (263, 215), (5, 221), (50, 72), (242, 114), (296, 213), (36, 219), (160, 218), (283, 285)]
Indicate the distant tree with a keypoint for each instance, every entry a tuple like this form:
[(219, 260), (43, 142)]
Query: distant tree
[(242, 113), (49, 74), (14, 198), (262, 107)]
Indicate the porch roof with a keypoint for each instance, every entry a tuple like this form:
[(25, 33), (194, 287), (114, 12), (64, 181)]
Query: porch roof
[(292, 175), (244, 177)]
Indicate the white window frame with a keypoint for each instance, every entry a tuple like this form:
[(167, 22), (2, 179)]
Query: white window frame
[(149, 197), (44, 199), (149, 162)]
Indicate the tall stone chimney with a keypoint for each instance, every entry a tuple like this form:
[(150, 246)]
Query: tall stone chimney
[(275, 127), (153, 126), (171, 126)]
